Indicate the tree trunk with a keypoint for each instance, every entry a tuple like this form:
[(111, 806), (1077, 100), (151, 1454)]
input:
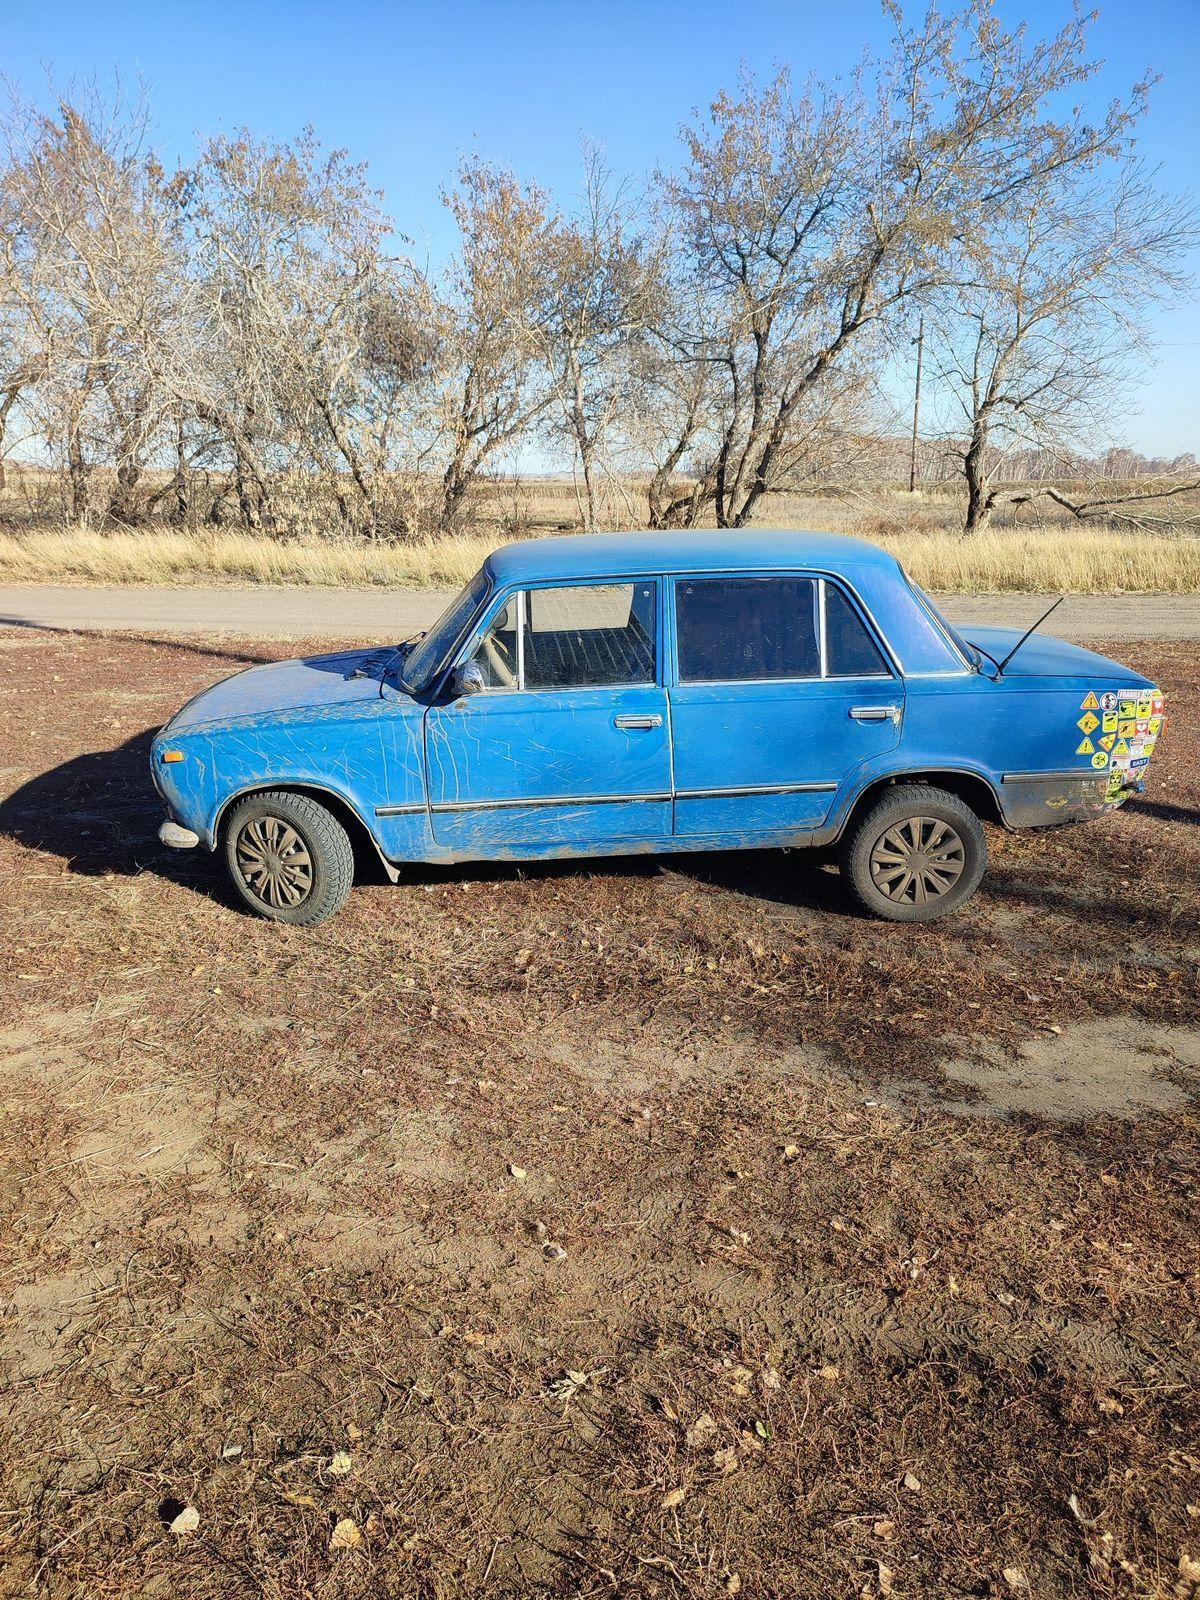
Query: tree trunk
[(589, 489), (454, 492), (979, 500), (122, 504), (6, 405), (349, 455), (583, 443), (246, 498), (77, 475), (456, 484), (179, 512)]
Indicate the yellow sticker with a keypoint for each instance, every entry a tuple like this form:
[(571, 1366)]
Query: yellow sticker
[(1088, 722), (1143, 708), (1127, 729), (1085, 747), (1099, 759), (1128, 708), (1109, 721), (1090, 703), (1122, 749), (1155, 724), (1108, 741)]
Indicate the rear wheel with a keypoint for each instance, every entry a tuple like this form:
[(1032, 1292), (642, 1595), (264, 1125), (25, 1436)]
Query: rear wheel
[(917, 854), (289, 858)]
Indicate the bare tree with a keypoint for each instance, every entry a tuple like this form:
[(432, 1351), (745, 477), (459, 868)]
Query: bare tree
[(22, 331), (249, 324), (98, 263), (496, 384), (810, 219), (289, 244), (602, 281), (1036, 345)]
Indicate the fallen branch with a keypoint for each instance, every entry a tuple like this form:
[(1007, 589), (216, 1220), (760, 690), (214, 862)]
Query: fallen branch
[(1104, 504)]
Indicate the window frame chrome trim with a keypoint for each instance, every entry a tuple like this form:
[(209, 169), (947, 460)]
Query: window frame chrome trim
[(819, 575), (474, 637)]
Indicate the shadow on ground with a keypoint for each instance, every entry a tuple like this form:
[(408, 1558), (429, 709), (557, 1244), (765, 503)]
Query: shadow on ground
[(183, 645), (99, 813)]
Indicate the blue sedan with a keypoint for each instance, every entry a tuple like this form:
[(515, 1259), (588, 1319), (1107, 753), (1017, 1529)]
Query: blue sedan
[(627, 693)]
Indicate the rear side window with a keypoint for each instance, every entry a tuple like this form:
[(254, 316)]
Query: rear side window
[(850, 650), (585, 637), (747, 628)]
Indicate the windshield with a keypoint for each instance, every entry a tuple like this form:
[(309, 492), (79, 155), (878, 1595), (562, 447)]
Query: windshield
[(433, 647), (967, 651)]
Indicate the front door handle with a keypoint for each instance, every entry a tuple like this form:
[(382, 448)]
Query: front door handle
[(875, 713), (638, 719)]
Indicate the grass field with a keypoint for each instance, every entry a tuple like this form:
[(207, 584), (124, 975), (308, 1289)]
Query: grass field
[(1042, 551), (877, 1270), (1008, 561)]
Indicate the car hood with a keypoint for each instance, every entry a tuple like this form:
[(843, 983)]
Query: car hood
[(308, 683), (1043, 656)]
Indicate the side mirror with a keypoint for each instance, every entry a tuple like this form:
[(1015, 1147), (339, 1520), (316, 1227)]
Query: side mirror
[(467, 679)]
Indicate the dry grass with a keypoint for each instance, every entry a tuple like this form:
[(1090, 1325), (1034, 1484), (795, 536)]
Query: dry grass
[(161, 556), (1008, 560), (1062, 560), (821, 1328)]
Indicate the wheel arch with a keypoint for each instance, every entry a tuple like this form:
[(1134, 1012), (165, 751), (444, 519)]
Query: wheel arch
[(972, 788), (362, 839)]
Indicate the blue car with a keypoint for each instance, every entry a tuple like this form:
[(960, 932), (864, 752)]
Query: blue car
[(629, 693)]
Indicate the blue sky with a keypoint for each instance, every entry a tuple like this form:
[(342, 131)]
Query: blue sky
[(408, 88)]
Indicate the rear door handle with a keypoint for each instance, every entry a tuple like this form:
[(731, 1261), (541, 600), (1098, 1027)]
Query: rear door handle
[(875, 713), (638, 719)]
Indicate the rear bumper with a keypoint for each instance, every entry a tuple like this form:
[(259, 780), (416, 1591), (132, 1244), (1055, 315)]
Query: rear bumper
[(1049, 799), (177, 836)]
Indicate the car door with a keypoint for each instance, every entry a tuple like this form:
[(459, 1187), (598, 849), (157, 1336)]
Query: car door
[(780, 689), (564, 745)]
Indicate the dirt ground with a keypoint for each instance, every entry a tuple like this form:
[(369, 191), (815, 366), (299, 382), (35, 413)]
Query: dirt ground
[(629, 1229)]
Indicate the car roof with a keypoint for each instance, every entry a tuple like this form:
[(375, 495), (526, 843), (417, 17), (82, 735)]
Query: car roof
[(598, 555)]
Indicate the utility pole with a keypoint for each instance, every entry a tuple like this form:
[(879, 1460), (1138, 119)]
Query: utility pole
[(919, 341)]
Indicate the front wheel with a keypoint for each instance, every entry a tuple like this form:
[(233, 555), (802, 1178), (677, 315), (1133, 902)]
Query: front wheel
[(289, 858), (917, 854)]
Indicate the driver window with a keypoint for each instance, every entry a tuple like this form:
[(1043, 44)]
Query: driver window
[(496, 655)]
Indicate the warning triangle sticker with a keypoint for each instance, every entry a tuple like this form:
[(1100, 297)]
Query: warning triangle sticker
[(1090, 703), (1122, 749), (1085, 748), (1108, 741)]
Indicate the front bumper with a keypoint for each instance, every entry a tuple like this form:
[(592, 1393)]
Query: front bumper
[(177, 836)]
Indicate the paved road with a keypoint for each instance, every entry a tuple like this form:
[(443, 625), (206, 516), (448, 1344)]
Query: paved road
[(277, 612)]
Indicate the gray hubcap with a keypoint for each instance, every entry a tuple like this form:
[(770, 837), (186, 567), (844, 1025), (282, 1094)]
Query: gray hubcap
[(274, 862), (917, 860)]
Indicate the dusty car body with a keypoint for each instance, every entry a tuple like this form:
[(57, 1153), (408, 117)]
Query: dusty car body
[(612, 694)]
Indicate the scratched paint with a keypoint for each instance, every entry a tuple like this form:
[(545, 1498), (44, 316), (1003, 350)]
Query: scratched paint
[(655, 767)]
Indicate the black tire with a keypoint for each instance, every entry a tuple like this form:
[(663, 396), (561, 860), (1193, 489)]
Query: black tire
[(307, 859), (917, 854)]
